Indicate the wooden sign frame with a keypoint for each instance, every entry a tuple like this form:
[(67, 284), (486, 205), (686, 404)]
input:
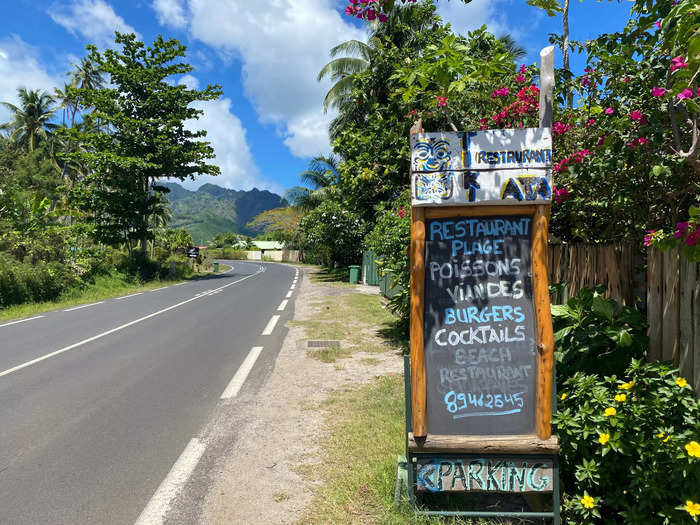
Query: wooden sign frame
[(421, 439)]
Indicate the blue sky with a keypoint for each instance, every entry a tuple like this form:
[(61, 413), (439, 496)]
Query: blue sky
[(264, 53)]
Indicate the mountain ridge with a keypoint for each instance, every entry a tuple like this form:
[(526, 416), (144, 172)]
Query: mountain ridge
[(212, 209)]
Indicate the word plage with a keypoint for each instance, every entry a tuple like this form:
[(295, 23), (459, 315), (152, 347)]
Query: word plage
[(479, 326)]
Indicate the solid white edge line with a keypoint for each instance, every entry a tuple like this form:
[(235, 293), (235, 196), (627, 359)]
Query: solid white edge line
[(159, 504), (292, 287), (125, 296), (98, 336), (242, 374), (82, 306), (161, 288), (271, 325), (282, 305), (289, 294), (22, 320), (179, 284)]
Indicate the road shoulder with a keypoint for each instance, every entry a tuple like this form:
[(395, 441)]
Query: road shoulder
[(263, 476)]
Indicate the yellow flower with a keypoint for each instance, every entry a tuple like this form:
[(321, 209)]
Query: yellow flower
[(626, 386), (563, 396), (692, 508), (603, 439), (589, 502), (661, 436), (693, 449), (681, 382), (621, 397), (610, 411)]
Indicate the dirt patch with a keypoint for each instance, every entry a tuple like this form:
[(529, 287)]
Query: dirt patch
[(261, 478)]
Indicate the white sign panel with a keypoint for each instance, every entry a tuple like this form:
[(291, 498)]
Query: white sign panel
[(501, 166), (438, 151), (509, 148), (515, 186)]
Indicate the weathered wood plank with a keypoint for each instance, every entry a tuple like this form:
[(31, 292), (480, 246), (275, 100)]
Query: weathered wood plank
[(688, 278), (462, 211), (671, 303), (418, 393), (655, 272), (521, 444), (493, 474), (543, 313)]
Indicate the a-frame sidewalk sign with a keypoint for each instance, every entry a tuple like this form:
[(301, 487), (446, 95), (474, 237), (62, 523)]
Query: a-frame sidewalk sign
[(479, 383)]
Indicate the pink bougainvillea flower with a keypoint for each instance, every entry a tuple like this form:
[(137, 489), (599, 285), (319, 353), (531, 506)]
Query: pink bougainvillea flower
[(590, 122), (658, 24), (520, 79), (642, 141), (658, 91), (678, 63), (637, 115), (382, 17), (402, 212), (585, 81), (522, 70), (631, 144), (500, 92), (559, 128), (601, 140), (560, 194), (441, 101), (686, 93), (609, 111), (681, 229), (693, 238), (649, 237), (626, 79)]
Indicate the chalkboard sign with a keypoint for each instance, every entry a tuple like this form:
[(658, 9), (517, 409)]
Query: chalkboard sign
[(479, 325)]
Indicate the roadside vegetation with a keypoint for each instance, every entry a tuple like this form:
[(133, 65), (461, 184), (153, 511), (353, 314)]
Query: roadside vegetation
[(82, 214), (626, 166)]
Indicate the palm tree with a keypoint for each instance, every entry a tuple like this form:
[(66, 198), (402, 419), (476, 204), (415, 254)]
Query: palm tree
[(517, 51), (342, 70), (322, 180), (30, 120)]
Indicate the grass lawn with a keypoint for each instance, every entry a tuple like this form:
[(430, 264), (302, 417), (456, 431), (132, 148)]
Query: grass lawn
[(356, 477), (104, 287)]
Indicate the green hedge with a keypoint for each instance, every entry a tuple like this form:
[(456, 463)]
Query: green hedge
[(23, 282)]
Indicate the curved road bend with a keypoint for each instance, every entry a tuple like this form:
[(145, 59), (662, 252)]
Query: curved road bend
[(98, 402)]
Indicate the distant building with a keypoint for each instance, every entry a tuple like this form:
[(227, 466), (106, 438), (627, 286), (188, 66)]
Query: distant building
[(264, 246)]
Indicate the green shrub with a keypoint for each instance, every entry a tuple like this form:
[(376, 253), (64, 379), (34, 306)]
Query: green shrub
[(629, 447), (592, 334), (181, 264), (389, 242), (24, 282)]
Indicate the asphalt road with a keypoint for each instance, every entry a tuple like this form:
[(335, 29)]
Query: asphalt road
[(99, 404)]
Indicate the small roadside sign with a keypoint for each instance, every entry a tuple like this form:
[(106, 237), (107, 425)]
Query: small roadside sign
[(193, 252)]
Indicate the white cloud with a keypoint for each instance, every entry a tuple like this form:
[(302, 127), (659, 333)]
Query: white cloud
[(282, 47), (464, 18), (20, 67), (170, 13), (95, 20), (228, 138)]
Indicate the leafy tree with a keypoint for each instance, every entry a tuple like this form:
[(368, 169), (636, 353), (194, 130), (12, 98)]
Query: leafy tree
[(142, 136), (280, 224), (334, 234), (30, 120)]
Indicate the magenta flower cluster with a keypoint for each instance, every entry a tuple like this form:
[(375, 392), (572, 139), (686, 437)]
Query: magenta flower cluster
[(559, 128), (500, 92), (560, 194), (689, 230), (576, 158)]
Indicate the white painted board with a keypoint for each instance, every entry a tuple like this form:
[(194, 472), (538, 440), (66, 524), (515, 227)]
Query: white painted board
[(482, 150), (459, 188)]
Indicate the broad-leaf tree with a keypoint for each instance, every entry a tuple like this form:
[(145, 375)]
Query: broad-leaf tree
[(142, 137)]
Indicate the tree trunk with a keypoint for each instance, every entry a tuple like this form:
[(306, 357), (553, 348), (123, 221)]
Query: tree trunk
[(565, 50)]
